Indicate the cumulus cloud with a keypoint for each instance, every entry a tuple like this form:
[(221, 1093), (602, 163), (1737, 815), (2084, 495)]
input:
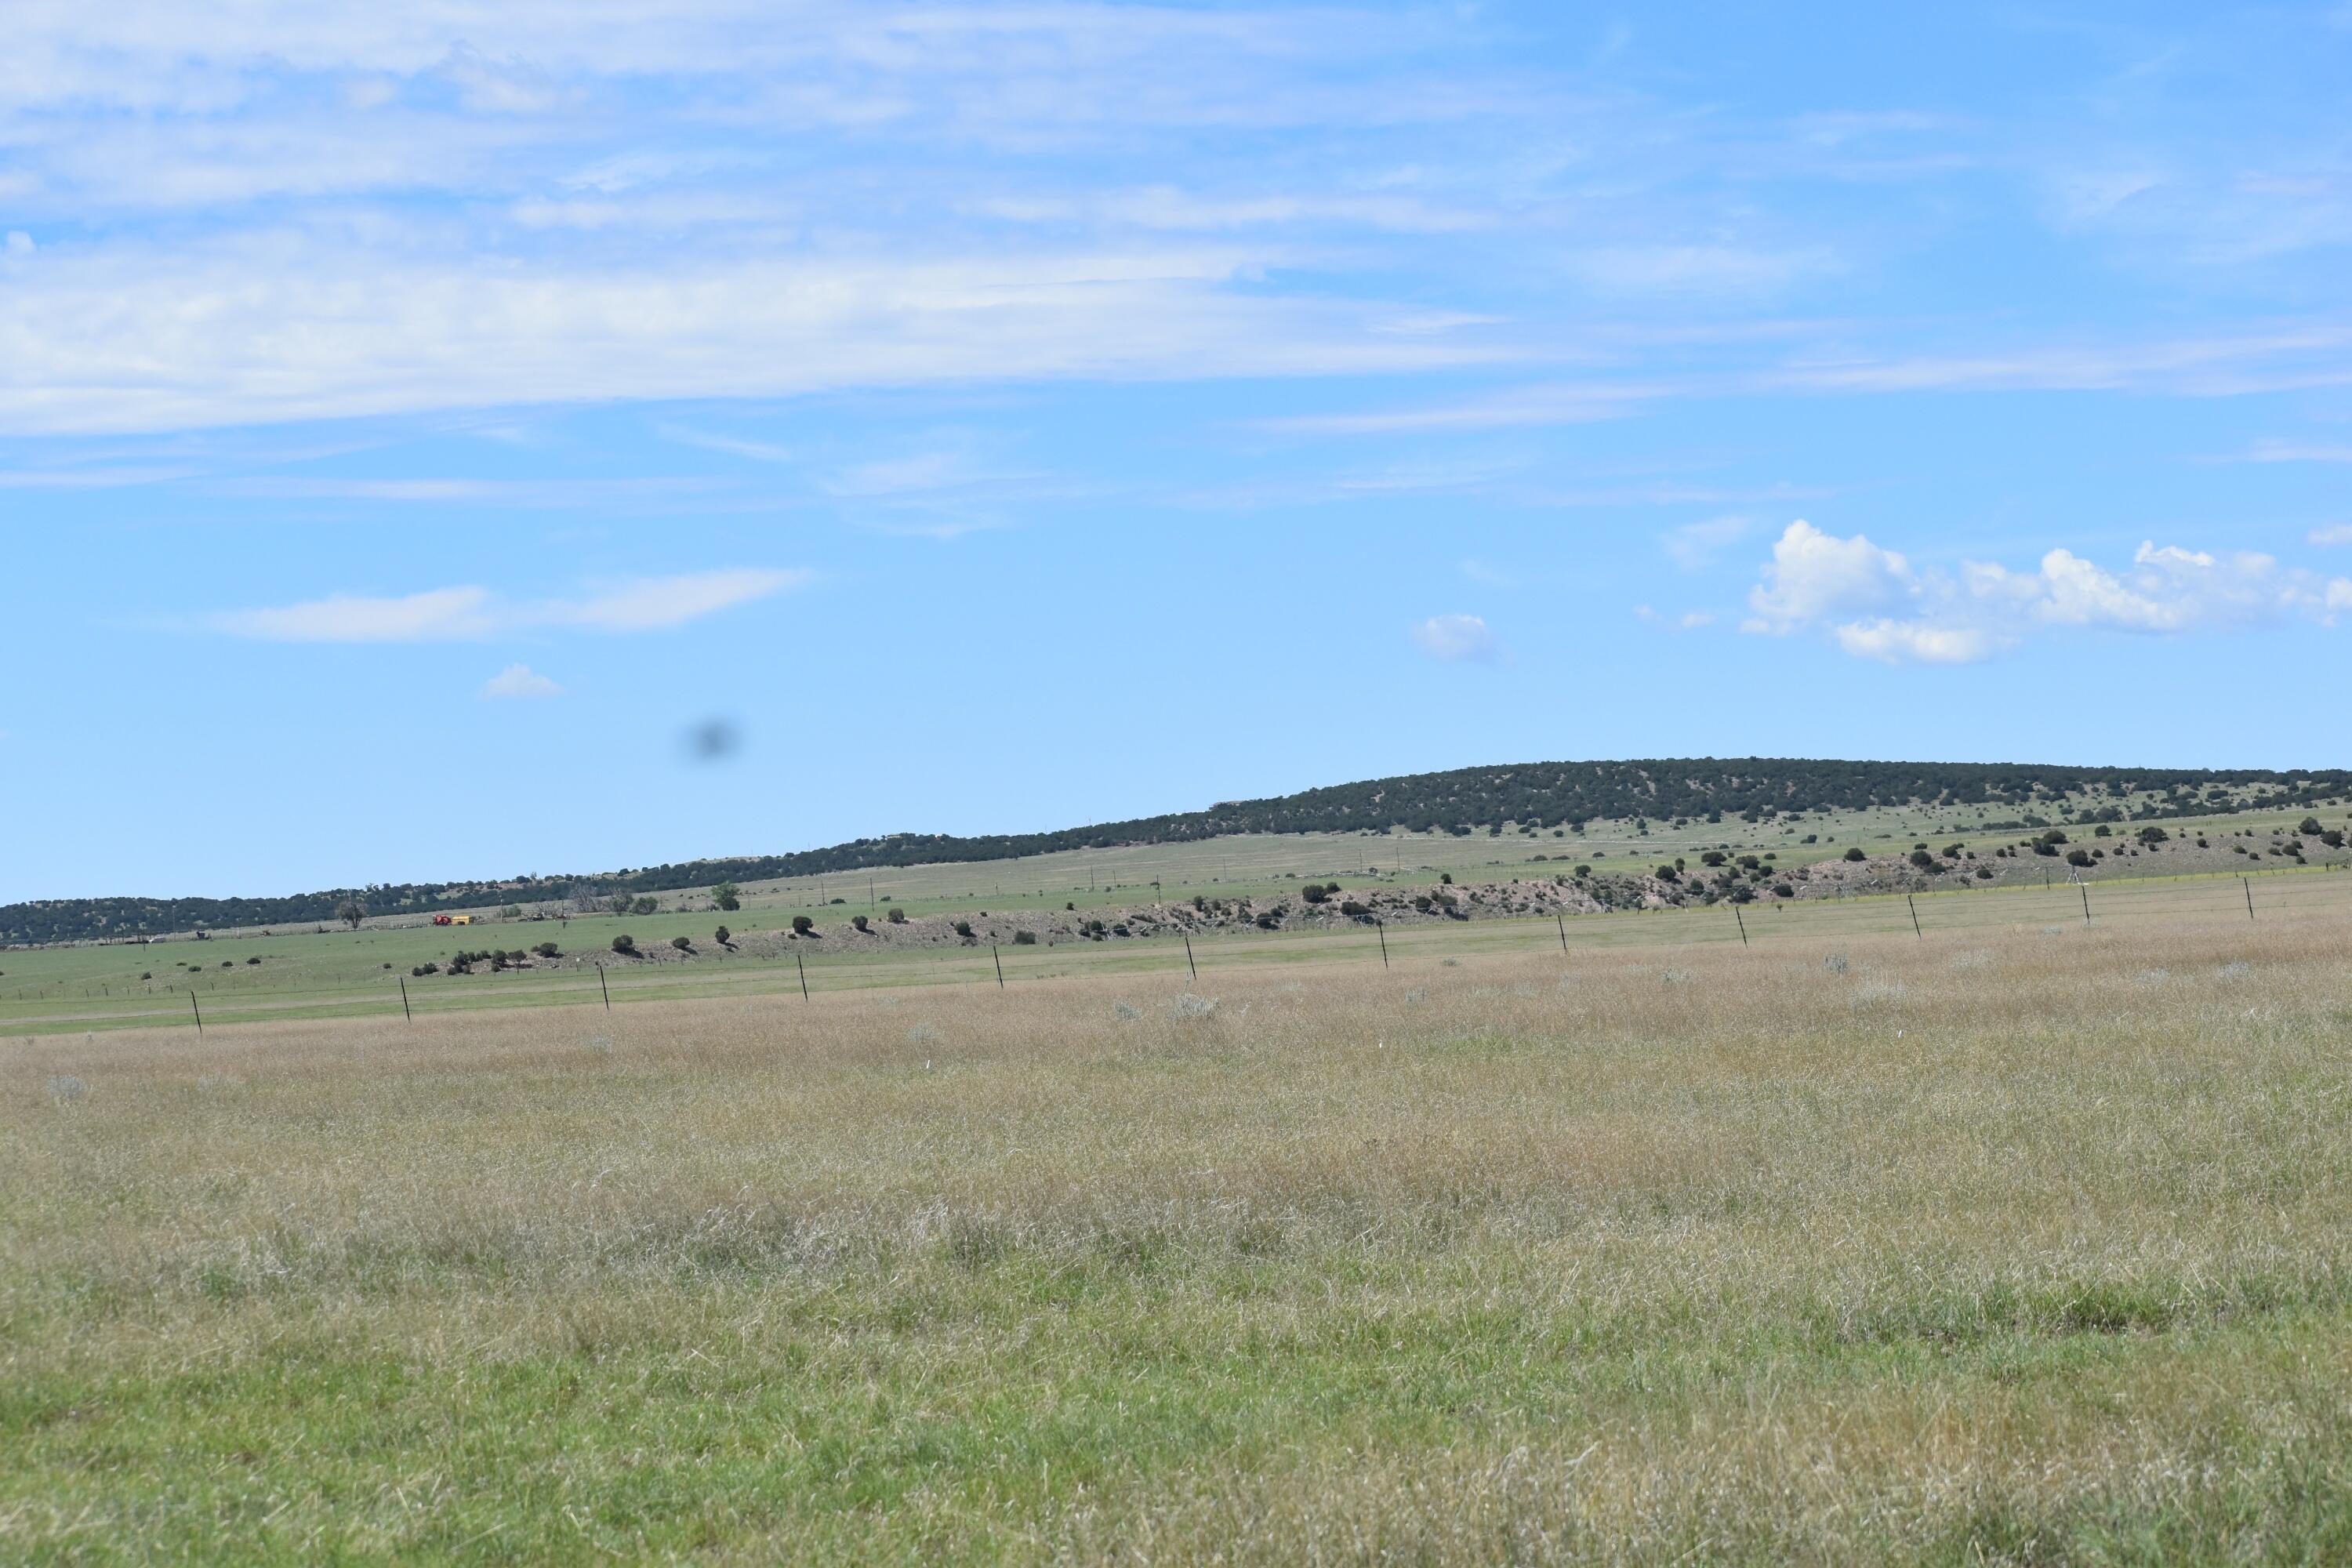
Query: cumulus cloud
[(470, 614), (2333, 533), (519, 680), (1913, 642), (1456, 638), (1814, 575), (1875, 605)]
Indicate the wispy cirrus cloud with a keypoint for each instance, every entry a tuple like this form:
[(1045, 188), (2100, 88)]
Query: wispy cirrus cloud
[(2274, 451), (430, 491), (471, 614), (1694, 544), (294, 330)]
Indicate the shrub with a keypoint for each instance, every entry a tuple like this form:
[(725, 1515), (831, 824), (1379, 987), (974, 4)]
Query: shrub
[(1025, 939), (548, 950), (461, 965), (727, 896), (621, 903), (2078, 857), (647, 905), (1921, 858), (837, 901), (626, 945), (1584, 871), (1713, 857), (683, 944), (350, 911), (964, 928), (2308, 824), (803, 925), (1314, 892), (255, 959), (1353, 910), (1855, 854), (1783, 890), (895, 916), (2152, 835), (422, 969), (858, 920), (1446, 878), (511, 912)]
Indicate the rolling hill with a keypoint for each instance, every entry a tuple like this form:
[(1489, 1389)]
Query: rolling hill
[(1461, 801)]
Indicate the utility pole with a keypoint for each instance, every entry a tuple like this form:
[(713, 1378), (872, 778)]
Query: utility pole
[(403, 1002), (1000, 965), (1383, 927), (605, 988), (804, 964), (1915, 918), (1188, 958)]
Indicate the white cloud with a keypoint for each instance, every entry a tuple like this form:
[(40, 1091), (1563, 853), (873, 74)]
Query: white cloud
[(1456, 638), (1814, 575), (439, 615), (130, 337), (1519, 408), (519, 680), (1913, 642), (2333, 533), (2294, 452), (470, 613), (1875, 606), (1694, 544), (431, 491), (734, 446), (1488, 574), (662, 602)]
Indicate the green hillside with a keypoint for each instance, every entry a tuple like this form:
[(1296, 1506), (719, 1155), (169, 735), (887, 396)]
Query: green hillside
[(1532, 796)]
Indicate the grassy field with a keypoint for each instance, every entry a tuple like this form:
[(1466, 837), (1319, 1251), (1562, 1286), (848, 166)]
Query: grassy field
[(336, 972), (2023, 1242)]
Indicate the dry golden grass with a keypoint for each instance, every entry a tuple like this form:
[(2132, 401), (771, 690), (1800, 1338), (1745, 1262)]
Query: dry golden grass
[(2021, 1246)]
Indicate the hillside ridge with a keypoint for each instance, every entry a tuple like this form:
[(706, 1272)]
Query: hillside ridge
[(1459, 801)]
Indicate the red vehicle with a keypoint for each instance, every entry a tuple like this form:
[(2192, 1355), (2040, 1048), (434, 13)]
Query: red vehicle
[(440, 920)]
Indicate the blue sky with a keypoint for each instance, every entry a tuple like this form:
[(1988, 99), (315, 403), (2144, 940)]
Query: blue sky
[(417, 422)]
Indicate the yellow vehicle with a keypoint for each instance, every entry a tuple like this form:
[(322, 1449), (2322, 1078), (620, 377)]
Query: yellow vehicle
[(461, 920)]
